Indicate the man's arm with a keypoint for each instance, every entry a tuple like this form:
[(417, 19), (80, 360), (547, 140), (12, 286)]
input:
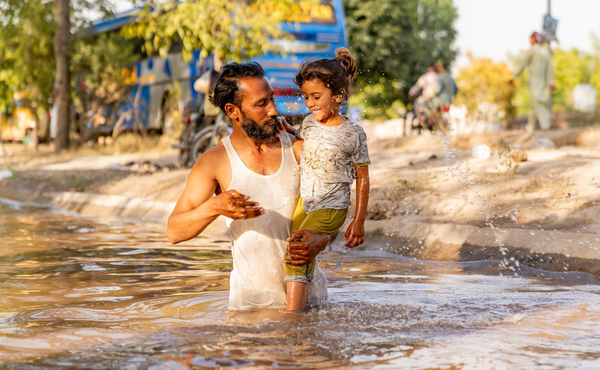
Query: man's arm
[(521, 67), (418, 86), (197, 208)]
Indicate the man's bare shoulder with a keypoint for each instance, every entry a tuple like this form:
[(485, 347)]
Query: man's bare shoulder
[(211, 160)]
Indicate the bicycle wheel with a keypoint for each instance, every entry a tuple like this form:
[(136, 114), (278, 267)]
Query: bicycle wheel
[(206, 140)]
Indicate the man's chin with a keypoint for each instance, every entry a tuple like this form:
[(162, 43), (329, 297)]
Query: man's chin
[(260, 134)]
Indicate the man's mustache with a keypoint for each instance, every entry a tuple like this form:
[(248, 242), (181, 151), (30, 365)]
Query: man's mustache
[(272, 120)]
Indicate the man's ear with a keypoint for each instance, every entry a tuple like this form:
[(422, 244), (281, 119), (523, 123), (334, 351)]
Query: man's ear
[(232, 111)]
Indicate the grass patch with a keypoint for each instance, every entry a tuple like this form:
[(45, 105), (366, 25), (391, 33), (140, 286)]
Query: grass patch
[(552, 185), (417, 185), (558, 192)]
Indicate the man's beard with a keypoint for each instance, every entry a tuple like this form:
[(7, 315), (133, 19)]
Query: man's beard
[(256, 132)]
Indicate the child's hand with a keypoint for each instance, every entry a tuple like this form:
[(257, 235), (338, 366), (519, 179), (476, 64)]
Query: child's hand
[(355, 235), (283, 127)]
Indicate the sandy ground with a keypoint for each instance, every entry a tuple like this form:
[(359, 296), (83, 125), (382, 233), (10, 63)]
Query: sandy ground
[(427, 178)]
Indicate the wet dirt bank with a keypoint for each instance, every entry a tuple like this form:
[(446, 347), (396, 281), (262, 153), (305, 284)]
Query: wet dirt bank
[(431, 198)]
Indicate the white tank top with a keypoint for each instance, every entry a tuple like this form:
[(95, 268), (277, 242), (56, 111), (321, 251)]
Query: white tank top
[(259, 244)]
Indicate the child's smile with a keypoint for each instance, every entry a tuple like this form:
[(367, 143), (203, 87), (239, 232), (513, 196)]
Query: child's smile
[(323, 105)]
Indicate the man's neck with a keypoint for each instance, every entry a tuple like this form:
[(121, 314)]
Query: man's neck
[(252, 145)]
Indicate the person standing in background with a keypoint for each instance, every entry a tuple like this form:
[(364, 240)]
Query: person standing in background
[(538, 61), (448, 89)]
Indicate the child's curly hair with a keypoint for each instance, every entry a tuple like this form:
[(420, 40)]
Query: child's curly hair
[(336, 74)]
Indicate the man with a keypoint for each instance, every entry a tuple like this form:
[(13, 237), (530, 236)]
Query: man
[(254, 175), (541, 82), (448, 88), (425, 91)]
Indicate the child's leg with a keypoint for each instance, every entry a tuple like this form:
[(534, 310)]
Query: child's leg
[(298, 278), (295, 276), (297, 295)]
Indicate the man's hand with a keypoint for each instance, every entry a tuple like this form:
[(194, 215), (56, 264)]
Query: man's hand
[(236, 206), (283, 127), (306, 247), (355, 235)]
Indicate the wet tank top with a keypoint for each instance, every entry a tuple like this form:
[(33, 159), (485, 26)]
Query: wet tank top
[(259, 244)]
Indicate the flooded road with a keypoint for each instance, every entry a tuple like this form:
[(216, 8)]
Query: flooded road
[(83, 292)]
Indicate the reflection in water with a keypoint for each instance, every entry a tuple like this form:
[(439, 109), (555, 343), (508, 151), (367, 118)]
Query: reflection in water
[(83, 292)]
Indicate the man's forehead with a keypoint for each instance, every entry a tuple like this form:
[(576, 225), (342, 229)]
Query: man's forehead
[(255, 89)]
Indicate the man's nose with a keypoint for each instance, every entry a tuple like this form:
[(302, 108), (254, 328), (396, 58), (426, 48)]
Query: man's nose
[(272, 109)]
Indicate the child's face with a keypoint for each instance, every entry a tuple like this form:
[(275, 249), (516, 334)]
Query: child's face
[(320, 100)]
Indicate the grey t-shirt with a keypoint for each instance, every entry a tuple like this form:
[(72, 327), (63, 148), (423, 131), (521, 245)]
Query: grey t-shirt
[(329, 155)]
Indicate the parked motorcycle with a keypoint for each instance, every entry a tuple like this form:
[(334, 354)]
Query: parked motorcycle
[(195, 121), (198, 116), (211, 136)]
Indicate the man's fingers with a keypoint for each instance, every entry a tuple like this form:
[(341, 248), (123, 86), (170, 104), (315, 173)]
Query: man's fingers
[(244, 215), (297, 250), (296, 234), (236, 194), (244, 203)]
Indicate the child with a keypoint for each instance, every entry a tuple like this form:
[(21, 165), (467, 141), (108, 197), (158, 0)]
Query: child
[(334, 152)]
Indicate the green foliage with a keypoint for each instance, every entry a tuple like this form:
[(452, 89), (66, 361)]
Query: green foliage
[(232, 29), (571, 68), (484, 81), (101, 79), (26, 50), (394, 41), (27, 45)]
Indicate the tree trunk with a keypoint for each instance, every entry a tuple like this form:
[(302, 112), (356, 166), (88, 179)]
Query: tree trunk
[(62, 87)]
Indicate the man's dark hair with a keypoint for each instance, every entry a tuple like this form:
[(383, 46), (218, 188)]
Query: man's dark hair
[(227, 88)]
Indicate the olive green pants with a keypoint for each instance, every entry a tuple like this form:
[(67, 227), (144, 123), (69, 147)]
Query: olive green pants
[(538, 111), (326, 221)]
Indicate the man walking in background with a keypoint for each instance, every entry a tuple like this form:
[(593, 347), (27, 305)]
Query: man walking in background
[(538, 61)]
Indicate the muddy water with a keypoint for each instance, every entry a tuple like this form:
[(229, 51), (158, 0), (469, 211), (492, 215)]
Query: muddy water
[(96, 293)]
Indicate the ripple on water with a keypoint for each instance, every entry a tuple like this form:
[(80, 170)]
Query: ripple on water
[(122, 297)]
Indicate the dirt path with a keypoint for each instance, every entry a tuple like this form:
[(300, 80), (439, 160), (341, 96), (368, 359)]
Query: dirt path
[(419, 179), (430, 180)]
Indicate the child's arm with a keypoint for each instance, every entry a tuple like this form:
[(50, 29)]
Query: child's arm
[(283, 126), (355, 235)]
